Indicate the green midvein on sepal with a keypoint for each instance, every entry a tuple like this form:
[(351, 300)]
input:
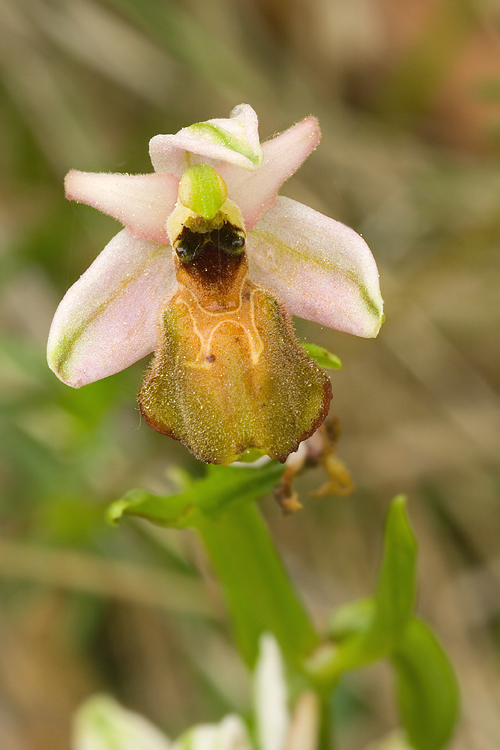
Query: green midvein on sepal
[(222, 137)]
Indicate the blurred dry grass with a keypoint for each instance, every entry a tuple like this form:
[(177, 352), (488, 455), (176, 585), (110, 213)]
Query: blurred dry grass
[(408, 96)]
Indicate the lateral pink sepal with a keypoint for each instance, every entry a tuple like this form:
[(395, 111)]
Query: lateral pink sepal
[(108, 319), (321, 269)]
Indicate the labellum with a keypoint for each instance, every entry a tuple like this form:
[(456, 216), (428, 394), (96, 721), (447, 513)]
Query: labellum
[(228, 373)]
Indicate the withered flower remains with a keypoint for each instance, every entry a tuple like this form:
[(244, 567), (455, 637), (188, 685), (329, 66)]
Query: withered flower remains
[(203, 274)]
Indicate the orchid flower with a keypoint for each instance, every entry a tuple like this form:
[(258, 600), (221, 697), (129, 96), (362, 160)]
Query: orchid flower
[(206, 273), (102, 724)]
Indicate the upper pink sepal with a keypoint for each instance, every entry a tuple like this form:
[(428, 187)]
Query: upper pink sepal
[(255, 191), (321, 269), (142, 202), (233, 139), (108, 319)]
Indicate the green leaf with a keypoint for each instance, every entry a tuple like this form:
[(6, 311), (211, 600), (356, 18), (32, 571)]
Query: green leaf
[(371, 629), (395, 595), (257, 590), (427, 688), (351, 619), (221, 487), (384, 626), (322, 356), (258, 593)]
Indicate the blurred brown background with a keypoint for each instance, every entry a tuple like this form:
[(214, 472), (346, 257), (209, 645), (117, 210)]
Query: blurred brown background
[(408, 97)]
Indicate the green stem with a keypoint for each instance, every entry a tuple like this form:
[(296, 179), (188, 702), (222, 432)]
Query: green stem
[(326, 739), (257, 589)]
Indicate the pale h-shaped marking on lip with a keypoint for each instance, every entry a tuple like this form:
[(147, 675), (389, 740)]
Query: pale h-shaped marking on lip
[(216, 320)]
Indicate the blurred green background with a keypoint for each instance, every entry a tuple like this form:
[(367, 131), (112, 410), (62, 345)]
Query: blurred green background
[(408, 98)]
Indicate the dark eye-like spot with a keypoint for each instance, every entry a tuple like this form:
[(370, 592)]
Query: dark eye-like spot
[(229, 239), (189, 244)]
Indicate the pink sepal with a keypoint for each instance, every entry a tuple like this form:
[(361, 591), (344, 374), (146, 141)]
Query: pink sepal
[(209, 140), (108, 319), (321, 269)]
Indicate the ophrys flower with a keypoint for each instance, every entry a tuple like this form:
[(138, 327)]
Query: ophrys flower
[(204, 273)]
